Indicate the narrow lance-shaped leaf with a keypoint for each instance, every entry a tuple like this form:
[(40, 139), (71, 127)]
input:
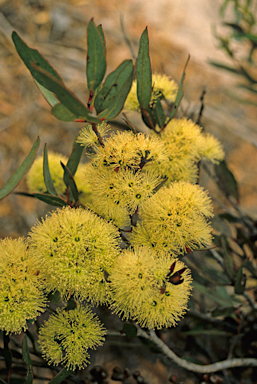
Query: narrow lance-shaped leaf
[(23, 168), (240, 280), (96, 61), (27, 360), (62, 113), (61, 376), (226, 180), (143, 72), (228, 261), (179, 94), (111, 98), (7, 354), (30, 56), (74, 158), (56, 201), (159, 113), (70, 183), (148, 117), (65, 96), (101, 32), (47, 175)]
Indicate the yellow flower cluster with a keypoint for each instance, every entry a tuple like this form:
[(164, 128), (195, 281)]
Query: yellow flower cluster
[(163, 87), (22, 296), (66, 337), (175, 219), (185, 145), (118, 176), (75, 251), (152, 291)]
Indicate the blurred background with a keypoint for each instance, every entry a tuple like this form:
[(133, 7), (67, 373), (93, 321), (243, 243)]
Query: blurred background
[(176, 28)]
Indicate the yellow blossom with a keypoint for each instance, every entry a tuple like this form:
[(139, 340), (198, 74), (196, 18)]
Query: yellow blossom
[(174, 219), (66, 337), (76, 250), (22, 295), (163, 87), (143, 288)]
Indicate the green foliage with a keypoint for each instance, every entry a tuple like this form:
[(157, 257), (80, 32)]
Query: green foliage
[(242, 34)]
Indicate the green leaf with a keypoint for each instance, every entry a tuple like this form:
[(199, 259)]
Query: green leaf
[(223, 66), (143, 72), (71, 305), (27, 360), (96, 61), (101, 32), (54, 297), (179, 94), (47, 175), (70, 183), (56, 201), (226, 180), (228, 261), (224, 312), (229, 217), (130, 330), (75, 157), (240, 280), (159, 114), (65, 96), (61, 376), (111, 98), (62, 113), (209, 332), (219, 296), (50, 98), (7, 353), (250, 36), (148, 117), (20, 172), (32, 56)]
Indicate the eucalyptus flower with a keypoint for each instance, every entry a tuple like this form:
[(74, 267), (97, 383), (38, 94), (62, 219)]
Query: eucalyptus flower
[(175, 219), (22, 296), (185, 145), (151, 291), (76, 250), (66, 337), (163, 87)]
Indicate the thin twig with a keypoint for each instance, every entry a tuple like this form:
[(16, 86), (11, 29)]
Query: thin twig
[(127, 41), (231, 363)]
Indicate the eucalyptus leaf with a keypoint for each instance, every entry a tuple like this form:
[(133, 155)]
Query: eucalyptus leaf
[(144, 72), (27, 360), (56, 201), (62, 375), (47, 175), (20, 172), (110, 100), (179, 94), (240, 281), (62, 113), (70, 182), (96, 61), (226, 180), (65, 96), (159, 114)]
